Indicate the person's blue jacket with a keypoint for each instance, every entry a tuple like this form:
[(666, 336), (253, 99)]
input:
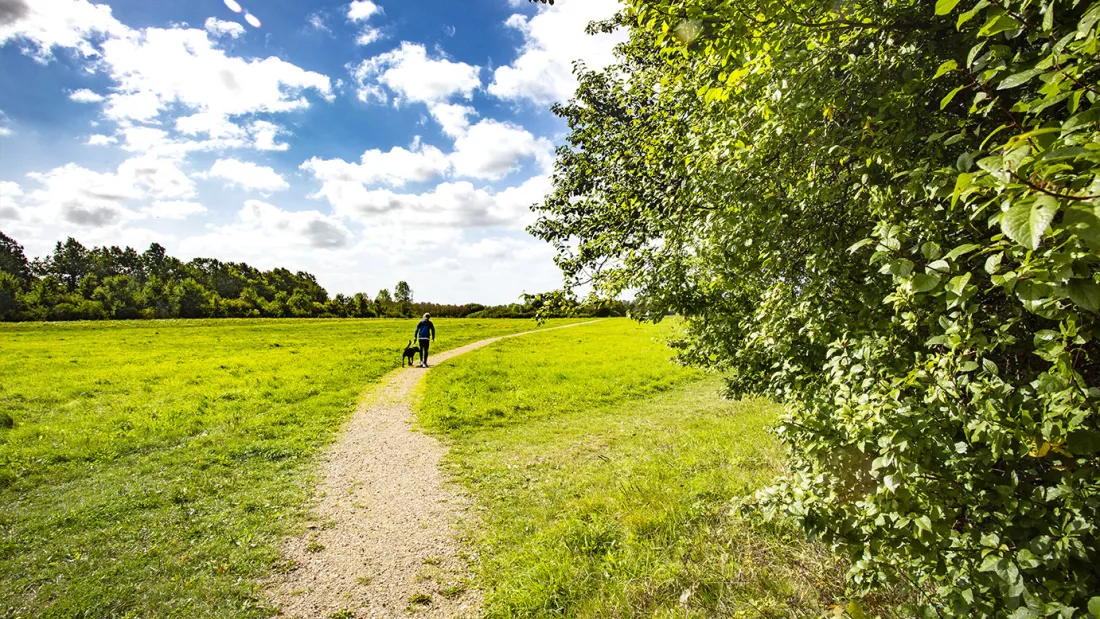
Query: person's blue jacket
[(424, 329)]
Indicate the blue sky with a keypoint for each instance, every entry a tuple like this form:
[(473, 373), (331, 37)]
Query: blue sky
[(366, 142)]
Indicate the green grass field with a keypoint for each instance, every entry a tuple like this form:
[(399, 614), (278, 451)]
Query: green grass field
[(604, 477), (152, 466)]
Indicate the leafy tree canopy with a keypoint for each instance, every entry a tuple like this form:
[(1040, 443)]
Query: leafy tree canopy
[(885, 214)]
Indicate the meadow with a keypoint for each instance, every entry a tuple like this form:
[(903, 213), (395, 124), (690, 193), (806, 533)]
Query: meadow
[(152, 467), (605, 477)]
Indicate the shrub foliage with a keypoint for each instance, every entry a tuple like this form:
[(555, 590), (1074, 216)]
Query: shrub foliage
[(885, 214)]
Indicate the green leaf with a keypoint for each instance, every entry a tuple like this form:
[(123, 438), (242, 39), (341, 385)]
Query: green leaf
[(951, 95), (1084, 118), (859, 245), (1094, 607), (1088, 21), (969, 15), (924, 283), (924, 522), (961, 183), (1085, 293), (943, 7), (961, 250), (1017, 79), (1084, 221), (997, 25), (958, 284), (950, 65), (1026, 223)]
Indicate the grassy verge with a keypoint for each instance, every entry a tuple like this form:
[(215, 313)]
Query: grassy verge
[(604, 475), (153, 465)]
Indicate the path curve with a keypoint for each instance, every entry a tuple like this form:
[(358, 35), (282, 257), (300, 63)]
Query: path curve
[(382, 539)]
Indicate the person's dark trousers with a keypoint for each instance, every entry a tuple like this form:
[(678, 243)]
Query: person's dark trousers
[(424, 351)]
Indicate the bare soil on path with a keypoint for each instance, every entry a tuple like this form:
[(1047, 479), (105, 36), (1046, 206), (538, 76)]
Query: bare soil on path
[(382, 539)]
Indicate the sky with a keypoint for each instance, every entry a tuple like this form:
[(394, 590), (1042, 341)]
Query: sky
[(366, 142)]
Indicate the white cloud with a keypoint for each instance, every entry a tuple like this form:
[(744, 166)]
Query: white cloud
[(449, 205), (173, 209), (85, 96), (5, 132), (452, 117), (247, 175), (212, 124), (264, 134), (9, 208), (394, 168), (76, 195), (360, 12), (219, 28), (160, 67), (413, 76), (101, 140), (73, 24), (553, 39), (492, 149), (263, 228), (317, 22), (155, 69)]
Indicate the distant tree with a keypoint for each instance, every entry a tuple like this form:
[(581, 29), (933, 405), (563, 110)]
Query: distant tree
[(194, 300), (403, 293), (69, 262), (12, 259), (300, 305), (9, 296)]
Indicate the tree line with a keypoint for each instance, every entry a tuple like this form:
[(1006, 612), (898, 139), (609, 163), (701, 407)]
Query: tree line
[(75, 282), (886, 215)]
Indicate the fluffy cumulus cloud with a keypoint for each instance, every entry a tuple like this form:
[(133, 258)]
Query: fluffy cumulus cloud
[(492, 149), (85, 198), (552, 40), (157, 68), (360, 12), (50, 24), (414, 76), (394, 168), (157, 71), (247, 175), (221, 28), (264, 229), (173, 209), (9, 206), (453, 118), (84, 95)]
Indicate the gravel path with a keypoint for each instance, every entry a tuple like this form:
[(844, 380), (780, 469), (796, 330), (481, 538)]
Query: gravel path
[(382, 540)]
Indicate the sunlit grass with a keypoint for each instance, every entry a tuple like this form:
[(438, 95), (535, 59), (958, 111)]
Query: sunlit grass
[(604, 477), (152, 466)]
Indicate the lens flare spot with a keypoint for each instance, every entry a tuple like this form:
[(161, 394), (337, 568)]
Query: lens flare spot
[(233, 6), (252, 20)]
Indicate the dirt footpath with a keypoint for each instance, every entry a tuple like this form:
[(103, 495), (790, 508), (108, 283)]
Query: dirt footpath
[(382, 539)]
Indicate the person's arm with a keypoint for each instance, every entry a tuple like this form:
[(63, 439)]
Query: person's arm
[(433, 330)]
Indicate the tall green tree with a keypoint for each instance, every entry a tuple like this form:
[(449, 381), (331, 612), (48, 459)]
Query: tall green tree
[(402, 293), (886, 215), (12, 259)]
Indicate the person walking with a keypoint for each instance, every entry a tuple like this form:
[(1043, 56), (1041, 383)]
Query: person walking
[(424, 330)]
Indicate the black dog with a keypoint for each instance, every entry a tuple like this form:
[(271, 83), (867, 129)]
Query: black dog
[(410, 353)]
